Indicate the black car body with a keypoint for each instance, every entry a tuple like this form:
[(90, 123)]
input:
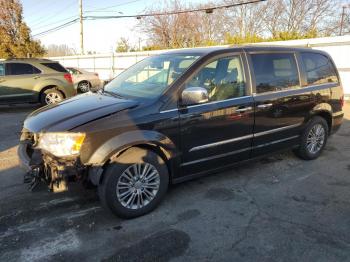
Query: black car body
[(227, 105)]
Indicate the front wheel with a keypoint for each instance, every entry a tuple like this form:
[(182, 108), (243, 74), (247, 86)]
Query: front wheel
[(134, 183), (313, 139)]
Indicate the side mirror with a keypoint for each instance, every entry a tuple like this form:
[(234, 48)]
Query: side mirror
[(194, 96)]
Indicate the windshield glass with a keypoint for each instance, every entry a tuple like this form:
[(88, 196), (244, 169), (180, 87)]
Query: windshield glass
[(150, 77)]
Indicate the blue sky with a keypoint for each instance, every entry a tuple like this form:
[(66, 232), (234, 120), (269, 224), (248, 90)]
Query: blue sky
[(100, 36)]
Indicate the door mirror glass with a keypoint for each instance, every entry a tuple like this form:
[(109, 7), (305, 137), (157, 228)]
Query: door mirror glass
[(194, 96)]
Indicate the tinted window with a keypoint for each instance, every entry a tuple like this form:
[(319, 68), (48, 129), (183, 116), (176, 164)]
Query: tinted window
[(21, 69), (274, 72), (223, 79), (55, 66), (2, 69), (319, 69)]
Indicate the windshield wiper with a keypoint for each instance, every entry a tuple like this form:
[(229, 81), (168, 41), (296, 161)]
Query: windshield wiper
[(112, 94)]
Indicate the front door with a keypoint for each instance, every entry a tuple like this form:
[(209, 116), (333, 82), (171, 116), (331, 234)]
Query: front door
[(280, 101), (219, 132), (17, 85)]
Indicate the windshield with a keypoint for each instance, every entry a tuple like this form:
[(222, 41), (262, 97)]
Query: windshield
[(150, 77)]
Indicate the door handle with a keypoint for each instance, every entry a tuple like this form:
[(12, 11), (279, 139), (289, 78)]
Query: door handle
[(36, 77), (2, 80), (264, 106), (243, 109)]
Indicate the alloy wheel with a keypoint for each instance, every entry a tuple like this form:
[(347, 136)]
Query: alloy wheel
[(84, 87), (138, 185), (52, 98), (315, 139)]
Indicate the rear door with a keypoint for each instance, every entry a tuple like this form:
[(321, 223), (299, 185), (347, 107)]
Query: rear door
[(281, 104), (219, 132), (18, 83)]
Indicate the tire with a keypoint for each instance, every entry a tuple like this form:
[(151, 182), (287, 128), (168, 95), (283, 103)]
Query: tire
[(51, 96), (116, 191), (84, 86), (316, 133)]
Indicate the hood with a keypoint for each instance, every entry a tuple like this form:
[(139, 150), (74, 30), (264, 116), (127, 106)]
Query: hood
[(74, 112)]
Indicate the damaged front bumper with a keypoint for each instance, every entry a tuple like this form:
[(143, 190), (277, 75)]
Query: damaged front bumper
[(43, 167)]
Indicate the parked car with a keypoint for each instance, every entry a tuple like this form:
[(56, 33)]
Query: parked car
[(84, 80), (183, 114), (34, 80)]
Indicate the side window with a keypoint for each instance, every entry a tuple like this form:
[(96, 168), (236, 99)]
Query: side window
[(55, 66), (20, 69), (223, 79), (275, 72), (73, 71), (319, 69), (2, 69)]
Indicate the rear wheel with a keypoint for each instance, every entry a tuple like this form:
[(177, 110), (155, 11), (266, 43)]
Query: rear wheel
[(51, 96), (134, 183), (84, 86), (313, 139)]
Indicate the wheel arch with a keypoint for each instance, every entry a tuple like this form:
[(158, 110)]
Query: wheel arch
[(43, 89), (323, 110), (84, 80), (116, 146)]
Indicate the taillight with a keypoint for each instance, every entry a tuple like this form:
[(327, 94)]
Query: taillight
[(68, 77), (96, 74), (341, 101)]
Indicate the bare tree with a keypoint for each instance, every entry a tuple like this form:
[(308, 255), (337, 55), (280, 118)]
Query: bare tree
[(245, 19), (273, 19), (123, 45), (172, 31), (301, 16), (60, 50)]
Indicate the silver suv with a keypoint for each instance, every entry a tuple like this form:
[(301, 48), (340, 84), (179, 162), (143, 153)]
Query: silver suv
[(34, 80)]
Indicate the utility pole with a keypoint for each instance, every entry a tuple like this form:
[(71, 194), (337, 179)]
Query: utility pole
[(342, 21), (81, 27)]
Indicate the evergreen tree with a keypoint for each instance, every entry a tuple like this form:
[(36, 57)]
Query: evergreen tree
[(15, 39)]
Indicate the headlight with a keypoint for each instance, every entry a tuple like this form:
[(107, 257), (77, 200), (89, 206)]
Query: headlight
[(61, 144)]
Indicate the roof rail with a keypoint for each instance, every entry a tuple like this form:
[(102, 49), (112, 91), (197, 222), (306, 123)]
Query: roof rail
[(26, 58)]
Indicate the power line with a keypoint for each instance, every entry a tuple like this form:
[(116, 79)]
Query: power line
[(206, 9), (139, 16), (57, 27), (54, 23), (108, 7), (51, 16)]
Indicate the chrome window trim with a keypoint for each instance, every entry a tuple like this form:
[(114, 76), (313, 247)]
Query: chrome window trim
[(209, 103), (221, 101), (242, 138), (303, 88)]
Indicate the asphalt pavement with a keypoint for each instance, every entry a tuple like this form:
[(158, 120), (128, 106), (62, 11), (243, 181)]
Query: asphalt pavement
[(279, 208)]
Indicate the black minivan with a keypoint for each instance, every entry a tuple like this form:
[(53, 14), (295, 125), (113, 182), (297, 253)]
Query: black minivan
[(182, 114)]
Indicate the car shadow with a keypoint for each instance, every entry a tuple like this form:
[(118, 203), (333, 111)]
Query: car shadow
[(12, 118)]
